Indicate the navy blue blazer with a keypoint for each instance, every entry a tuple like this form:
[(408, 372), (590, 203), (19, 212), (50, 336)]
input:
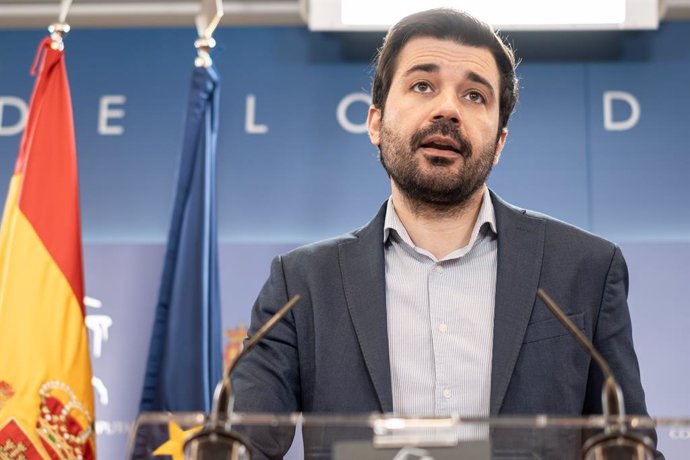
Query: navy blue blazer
[(331, 353)]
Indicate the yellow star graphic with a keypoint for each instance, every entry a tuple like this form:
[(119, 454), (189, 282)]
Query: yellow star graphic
[(175, 444)]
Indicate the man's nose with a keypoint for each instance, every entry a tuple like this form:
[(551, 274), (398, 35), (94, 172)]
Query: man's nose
[(448, 107)]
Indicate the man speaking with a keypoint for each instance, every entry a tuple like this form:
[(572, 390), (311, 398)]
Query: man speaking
[(431, 308)]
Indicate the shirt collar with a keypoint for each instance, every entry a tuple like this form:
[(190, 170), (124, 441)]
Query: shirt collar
[(486, 216)]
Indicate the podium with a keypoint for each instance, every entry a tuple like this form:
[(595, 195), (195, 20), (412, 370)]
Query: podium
[(388, 437)]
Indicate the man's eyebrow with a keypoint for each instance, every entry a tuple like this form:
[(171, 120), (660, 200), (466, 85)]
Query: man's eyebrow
[(428, 68), (475, 77)]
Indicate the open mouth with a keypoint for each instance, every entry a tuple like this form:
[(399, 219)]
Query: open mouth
[(441, 143)]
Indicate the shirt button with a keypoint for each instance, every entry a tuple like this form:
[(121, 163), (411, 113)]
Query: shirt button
[(438, 269), (446, 393), (443, 328)]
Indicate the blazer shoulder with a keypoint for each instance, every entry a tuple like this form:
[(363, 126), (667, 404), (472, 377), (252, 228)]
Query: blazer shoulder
[(319, 248), (556, 231), (325, 249)]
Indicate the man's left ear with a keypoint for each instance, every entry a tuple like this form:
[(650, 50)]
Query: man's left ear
[(499, 145)]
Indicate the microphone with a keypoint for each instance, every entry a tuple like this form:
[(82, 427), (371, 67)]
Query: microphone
[(616, 442), (215, 441)]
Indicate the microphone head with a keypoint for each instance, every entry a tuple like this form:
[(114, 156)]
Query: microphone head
[(216, 444), (618, 446), (216, 441)]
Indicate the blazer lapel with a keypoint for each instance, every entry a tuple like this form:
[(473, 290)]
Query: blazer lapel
[(520, 252), (363, 271)]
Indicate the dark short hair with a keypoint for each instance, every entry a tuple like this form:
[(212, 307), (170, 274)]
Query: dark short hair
[(446, 24)]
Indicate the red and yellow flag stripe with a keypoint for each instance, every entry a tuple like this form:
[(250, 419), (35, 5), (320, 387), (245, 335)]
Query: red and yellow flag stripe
[(44, 366)]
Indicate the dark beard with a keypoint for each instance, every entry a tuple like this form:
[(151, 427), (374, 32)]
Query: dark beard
[(442, 193)]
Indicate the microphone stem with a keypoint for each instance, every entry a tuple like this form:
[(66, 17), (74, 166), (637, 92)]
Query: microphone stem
[(612, 396), (224, 394)]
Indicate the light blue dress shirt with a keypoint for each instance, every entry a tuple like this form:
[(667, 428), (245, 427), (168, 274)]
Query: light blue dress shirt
[(440, 320)]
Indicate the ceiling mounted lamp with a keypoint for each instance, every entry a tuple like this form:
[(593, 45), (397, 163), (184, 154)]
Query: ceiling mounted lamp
[(527, 15)]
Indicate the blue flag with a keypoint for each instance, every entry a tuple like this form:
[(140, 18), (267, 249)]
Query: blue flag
[(185, 356)]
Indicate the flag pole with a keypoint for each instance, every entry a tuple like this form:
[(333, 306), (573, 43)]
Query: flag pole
[(210, 12), (59, 29)]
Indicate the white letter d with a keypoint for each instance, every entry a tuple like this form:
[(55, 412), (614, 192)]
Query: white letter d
[(621, 125)]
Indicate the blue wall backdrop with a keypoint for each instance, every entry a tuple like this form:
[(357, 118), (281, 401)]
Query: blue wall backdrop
[(600, 143)]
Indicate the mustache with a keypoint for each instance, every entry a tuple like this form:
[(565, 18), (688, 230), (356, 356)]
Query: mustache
[(443, 127)]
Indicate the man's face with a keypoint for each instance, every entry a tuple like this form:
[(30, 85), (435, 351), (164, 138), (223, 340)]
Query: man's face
[(438, 135)]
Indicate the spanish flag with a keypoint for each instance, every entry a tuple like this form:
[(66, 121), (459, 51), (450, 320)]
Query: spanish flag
[(46, 398)]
